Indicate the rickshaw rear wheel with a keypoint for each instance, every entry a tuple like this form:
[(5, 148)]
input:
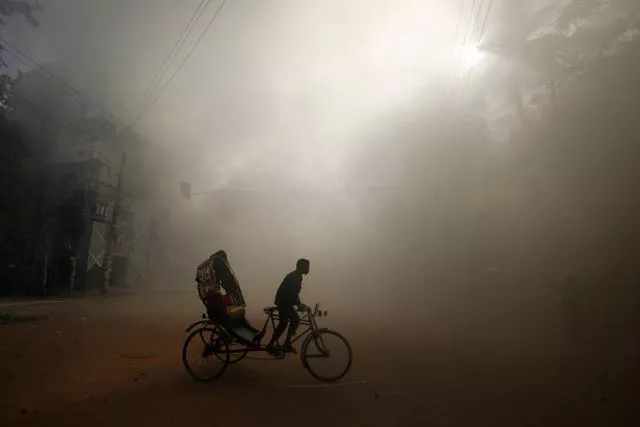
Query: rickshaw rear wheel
[(210, 347)]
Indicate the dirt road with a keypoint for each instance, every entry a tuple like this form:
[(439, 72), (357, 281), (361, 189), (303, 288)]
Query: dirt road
[(116, 362)]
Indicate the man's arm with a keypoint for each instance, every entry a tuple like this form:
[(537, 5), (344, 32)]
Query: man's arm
[(298, 290)]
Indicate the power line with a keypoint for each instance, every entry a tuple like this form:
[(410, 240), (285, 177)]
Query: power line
[(464, 41), (476, 21), (472, 30), (178, 44), (458, 25), (486, 19), (34, 65), (45, 72), (182, 63), (481, 36), (455, 40)]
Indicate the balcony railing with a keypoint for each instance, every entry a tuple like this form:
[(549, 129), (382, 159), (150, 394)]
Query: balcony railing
[(102, 209)]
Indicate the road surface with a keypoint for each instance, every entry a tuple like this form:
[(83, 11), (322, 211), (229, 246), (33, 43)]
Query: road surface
[(116, 362)]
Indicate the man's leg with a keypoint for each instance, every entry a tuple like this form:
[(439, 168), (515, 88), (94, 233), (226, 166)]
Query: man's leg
[(294, 319), (280, 328)]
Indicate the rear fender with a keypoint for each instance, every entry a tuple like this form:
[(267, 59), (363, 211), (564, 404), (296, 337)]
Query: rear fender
[(198, 323)]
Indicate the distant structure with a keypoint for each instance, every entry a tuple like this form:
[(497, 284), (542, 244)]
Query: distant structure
[(91, 231)]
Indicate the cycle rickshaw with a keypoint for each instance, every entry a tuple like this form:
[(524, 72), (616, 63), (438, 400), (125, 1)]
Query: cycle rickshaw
[(224, 336)]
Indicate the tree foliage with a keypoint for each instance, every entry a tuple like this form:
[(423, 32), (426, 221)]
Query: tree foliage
[(576, 157), (6, 84), (16, 207), (557, 195), (584, 35), (16, 202), (9, 8)]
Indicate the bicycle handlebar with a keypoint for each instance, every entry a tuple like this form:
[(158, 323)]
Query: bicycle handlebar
[(315, 312)]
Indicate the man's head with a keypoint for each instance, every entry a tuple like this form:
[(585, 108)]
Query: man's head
[(303, 266)]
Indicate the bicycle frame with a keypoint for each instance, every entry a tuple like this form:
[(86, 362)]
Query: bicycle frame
[(307, 321)]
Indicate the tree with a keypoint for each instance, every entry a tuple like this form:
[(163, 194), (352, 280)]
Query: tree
[(15, 203), (11, 7), (6, 83), (554, 196), (8, 8), (16, 207), (558, 56), (578, 73)]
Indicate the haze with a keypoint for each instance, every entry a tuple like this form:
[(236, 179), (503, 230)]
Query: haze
[(447, 166)]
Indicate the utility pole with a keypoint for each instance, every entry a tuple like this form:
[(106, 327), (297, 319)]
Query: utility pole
[(112, 240)]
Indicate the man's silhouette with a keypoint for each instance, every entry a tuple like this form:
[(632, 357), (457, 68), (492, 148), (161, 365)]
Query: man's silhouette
[(287, 298)]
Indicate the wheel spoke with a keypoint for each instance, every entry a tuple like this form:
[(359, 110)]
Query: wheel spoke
[(211, 354), (333, 349), (322, 347)]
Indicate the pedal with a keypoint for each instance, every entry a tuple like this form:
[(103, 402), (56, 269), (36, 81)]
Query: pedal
[(276, 352)]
